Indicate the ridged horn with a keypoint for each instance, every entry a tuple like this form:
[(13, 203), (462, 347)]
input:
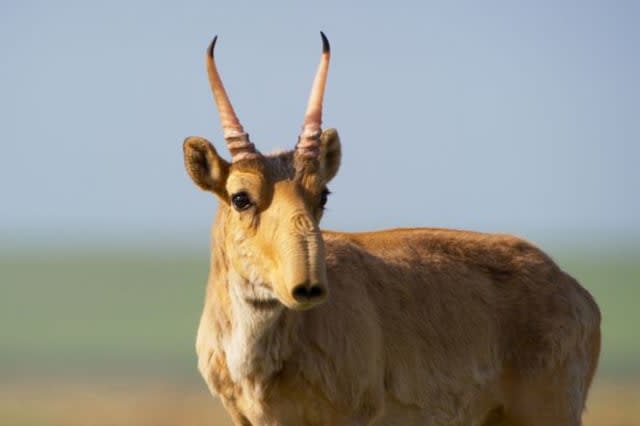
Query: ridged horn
[(308, 145), (237, 139)]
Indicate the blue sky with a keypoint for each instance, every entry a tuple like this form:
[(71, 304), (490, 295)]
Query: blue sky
[(519, 118)]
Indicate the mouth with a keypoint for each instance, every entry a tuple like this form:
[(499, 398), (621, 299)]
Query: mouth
[(261, 297), (263, 304), (305, 306)]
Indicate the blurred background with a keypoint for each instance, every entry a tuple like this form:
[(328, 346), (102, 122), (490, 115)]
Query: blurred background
[(498, 117)]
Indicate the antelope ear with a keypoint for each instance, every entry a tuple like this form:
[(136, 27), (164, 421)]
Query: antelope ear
[(330, 154), (207, 169)]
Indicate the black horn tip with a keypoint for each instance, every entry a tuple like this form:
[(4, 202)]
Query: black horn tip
[(212, 45), (325, 43)]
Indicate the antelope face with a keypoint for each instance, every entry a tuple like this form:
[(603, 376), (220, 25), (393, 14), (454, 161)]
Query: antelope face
[(270, 206)]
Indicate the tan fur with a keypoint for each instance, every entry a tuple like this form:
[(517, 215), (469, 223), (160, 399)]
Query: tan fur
[(420, 326)]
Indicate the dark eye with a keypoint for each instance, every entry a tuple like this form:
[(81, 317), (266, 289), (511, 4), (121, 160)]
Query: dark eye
[(241, 201), (323, 197)]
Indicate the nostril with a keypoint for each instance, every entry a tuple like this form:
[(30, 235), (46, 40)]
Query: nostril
[(305, 293), (315, 292), (300, 293)]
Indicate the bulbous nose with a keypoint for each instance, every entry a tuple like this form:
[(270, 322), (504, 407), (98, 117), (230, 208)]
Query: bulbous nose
[(308, 293)]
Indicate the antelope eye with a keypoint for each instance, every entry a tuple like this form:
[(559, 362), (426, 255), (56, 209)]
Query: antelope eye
[(241, 201), (323, 197)]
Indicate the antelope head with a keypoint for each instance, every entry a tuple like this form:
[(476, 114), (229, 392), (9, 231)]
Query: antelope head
[(270, 206)]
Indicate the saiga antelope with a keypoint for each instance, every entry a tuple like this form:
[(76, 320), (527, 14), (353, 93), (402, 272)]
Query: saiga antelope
[(400, 327)]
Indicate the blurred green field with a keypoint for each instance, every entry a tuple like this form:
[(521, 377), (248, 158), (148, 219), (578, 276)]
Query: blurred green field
[(127, 319), (108, 311), (103, 312)]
